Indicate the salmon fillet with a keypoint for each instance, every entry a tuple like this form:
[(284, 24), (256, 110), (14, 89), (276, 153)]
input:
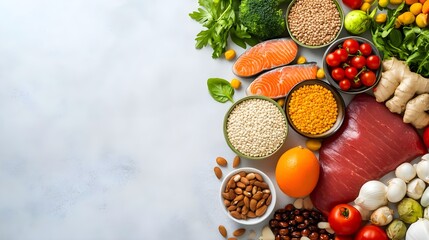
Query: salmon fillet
[(264, 56), (278, 82)]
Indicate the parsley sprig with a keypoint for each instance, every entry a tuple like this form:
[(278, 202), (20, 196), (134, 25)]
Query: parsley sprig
[(219, 19)]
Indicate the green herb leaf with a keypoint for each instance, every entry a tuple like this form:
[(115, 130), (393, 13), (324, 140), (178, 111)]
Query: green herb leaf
[(218, 17), (220, 89)]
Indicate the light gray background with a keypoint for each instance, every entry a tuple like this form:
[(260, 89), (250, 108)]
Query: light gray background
[(107, 130)]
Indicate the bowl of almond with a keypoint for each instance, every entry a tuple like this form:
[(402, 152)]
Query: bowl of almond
[(247, 196)]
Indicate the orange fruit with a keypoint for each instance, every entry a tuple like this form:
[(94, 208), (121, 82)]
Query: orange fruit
[(297, 172)]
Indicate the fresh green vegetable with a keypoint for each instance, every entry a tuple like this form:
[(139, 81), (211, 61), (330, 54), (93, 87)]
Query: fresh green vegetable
[(263, 18), (357, 22), (396, 230), (408, 43), (219, 19), (409, 210), (220, 89)]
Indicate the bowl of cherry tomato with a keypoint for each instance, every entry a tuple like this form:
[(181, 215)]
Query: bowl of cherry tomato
[(352, 65)]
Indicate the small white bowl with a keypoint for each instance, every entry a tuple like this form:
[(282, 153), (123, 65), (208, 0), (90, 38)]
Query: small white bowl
[(256, 220)]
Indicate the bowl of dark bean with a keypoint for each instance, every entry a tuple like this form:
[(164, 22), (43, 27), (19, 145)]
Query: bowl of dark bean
[(314, 29), (294, 223), (247, 196)]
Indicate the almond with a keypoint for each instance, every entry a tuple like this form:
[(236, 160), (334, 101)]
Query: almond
[(218, 172), (239, 232), (232, 238), (238, 191), (250, 176), (251, 214), (262, 185), (257, 196), (236, 215), (260, 203), (259, 177), (221, 161), (246, 201), (260, 211), (236, 161), (222, 231), (252, 204), (245, 181), (269, 199), (226, 203), (241, 185)]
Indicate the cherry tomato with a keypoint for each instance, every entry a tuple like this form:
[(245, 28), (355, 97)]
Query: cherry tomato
[(356, 83), (358, 62), (371, 232), (368, 78), (426, 136), (350, 72), (344, 219), (353, 4), (342, 54), (351, 45), (365, 49), (338, 74), (345, 84), (373, 62), (333, 60)]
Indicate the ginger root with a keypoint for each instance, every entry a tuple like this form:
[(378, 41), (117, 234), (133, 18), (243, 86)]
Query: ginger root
[(415, 111), (399, 81)]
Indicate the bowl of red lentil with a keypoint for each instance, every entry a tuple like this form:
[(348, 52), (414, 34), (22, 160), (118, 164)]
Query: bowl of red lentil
[(255, 127), (314, 109), (314, 23)]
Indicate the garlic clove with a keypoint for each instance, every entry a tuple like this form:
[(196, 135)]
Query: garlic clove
[(422, 169), (382, 216), (415, 188), (396, 190), (372, 195), (406, 172), (424, 201)]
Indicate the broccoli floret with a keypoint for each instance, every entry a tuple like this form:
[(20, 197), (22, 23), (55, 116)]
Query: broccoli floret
[(263, 18)]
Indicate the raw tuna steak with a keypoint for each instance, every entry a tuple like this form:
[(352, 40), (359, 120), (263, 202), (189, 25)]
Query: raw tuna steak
[(371, 142)]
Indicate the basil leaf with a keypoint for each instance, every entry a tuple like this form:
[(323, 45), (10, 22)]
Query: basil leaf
[(220, 89)]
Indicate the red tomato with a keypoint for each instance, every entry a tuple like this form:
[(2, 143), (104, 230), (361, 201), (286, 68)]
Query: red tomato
[(351, 45), (356, 83), (426, 136), (338, 74), (333, 60), (358, 62), (371, 232), (368, 78), (353, 4), (365, 49), (373, 62), (350, 72), (345, 84), (342, 54), (344, 219)]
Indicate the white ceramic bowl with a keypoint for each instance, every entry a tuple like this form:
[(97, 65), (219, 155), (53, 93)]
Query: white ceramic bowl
[(249, 221)]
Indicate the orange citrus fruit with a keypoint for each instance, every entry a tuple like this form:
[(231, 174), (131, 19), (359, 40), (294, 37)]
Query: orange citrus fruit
[(297, 172)]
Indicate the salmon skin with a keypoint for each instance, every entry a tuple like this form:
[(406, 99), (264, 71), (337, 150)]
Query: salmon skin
[(264, 56), (278, 82)]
